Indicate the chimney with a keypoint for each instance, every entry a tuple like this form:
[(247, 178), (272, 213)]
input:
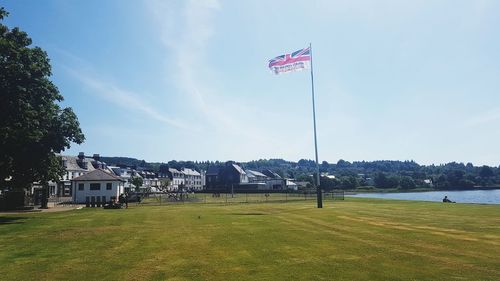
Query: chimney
[(96, 157), (81, 155)]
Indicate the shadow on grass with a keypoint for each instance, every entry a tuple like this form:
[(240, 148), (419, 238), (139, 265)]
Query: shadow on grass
[(11, 220), (247, 214)]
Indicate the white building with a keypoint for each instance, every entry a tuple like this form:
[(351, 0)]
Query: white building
[(126, 174), (176, 178), (192, 179), (75, 166), (96, 186), (290, 185), (150, 180)]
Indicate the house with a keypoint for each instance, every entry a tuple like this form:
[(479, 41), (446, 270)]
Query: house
[(303, 184), (150, 180), (74, 166), (96, 186), (275, 181), (212, 178), (290, 185), (428, 182), (225, 177), (187, 178), (126, 174), (176, 178), (271, 174), (254, 176), (192, 179), (272, 180)]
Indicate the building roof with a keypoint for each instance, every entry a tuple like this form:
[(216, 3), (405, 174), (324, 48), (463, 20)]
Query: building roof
[(252, 173), (72, 163), (190, 172), (172, 170), (97, 175), (239, 169), (271, 174)]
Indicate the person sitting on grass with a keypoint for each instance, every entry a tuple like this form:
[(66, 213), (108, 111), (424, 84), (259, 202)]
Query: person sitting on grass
[(446, 200)]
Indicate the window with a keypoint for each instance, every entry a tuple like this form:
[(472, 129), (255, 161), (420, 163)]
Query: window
[(109, 186), (95, 186), (80, 186)]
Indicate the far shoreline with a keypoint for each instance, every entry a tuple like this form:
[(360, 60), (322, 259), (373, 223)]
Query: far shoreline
[(395, 190)]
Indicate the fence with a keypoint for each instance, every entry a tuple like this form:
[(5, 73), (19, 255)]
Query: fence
[(237, 198)]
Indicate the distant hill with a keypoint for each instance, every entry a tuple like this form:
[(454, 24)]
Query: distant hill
[(125, 161), (348, 175)]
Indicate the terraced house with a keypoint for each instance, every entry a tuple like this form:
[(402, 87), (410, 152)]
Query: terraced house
[(192, 179)]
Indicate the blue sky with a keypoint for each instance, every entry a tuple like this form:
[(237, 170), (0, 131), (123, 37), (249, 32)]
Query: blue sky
[(188, 80)]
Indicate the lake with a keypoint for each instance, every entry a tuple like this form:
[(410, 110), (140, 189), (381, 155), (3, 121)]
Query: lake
[(466, 196)]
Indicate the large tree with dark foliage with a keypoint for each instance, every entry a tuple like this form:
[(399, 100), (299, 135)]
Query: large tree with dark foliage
[(33, 126)]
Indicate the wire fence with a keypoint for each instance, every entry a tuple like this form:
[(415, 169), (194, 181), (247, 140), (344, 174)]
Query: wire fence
[(236, 198)]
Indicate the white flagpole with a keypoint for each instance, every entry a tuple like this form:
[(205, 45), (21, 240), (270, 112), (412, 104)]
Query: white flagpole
[(319, 197)]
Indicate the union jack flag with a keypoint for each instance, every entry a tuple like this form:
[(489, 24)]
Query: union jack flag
[(295, 61)]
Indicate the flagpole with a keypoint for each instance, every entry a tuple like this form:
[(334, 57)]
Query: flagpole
[(319, 197)]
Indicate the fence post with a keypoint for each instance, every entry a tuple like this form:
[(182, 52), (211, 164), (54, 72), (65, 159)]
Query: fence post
[(226, 198)]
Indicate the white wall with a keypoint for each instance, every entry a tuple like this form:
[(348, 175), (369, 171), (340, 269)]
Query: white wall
[(79, 196)]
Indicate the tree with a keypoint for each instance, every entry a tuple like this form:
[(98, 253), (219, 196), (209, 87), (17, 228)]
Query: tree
[(486, 172), (349, 182), (324, 167), (380, 180), (164, 185), (407, 182), (137, 182), (328, 184), (392, 182), (33, 126)]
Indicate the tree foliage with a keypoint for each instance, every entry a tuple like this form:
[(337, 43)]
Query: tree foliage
[(33, 126), (137, 182)]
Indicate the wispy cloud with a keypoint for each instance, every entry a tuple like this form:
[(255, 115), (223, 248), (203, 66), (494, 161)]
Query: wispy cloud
[(186, 32), (123, 98)]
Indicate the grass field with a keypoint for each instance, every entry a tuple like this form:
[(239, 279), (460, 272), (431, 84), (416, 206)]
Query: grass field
[(355, 239)]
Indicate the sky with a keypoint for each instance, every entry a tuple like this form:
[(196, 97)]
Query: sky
[(188, 80)]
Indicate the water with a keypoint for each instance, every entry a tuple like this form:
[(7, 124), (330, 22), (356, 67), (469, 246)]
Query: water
[(467, 196)]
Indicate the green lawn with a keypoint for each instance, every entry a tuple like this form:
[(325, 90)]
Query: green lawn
[(356, 239)]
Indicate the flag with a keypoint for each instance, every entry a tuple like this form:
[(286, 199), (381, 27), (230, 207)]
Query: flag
[(295, 61)]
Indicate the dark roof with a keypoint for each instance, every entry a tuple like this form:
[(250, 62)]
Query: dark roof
[(73, 163), (271, 174), (97, 175)]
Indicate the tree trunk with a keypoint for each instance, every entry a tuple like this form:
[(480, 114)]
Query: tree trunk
[(45, 196)]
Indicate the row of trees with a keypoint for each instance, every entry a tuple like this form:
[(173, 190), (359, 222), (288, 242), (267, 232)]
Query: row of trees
[(402, 174)]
